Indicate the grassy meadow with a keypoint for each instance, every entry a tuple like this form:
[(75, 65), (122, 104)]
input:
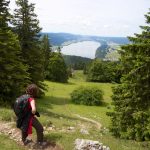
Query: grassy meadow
[(58, 114), (7, 144)]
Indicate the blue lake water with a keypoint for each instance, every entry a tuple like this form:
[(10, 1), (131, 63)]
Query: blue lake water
[(84, 49)]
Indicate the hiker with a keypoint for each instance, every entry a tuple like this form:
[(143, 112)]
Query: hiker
[(28, 120)]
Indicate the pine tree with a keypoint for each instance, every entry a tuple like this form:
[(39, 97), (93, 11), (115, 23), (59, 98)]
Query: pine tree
[(46, 46), (27, 27), (131, 99), (57, 69), (13, 75)]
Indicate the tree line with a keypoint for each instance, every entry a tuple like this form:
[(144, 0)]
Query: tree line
[(24, 54)]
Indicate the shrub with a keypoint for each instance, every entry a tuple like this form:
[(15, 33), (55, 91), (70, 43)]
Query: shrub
[(103, 71), (87, 96)]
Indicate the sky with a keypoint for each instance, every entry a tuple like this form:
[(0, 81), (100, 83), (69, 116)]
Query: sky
[(91, 17)]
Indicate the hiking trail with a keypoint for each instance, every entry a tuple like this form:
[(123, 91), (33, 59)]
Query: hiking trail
[(8, 129)]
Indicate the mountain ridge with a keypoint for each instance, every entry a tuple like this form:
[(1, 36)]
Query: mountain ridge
[(57, 39)]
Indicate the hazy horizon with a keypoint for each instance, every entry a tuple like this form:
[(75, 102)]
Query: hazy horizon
[(84, 35)]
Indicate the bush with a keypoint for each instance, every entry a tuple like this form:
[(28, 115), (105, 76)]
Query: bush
[(87, 96), (103, 71)]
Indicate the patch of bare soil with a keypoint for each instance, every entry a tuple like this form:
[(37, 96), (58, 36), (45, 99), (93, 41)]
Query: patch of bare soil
[(7, 128), (98, 125)]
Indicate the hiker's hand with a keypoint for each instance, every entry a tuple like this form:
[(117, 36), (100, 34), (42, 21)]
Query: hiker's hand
[(37, 114)]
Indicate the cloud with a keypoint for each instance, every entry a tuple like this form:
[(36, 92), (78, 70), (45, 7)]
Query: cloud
[(107, 26), (125, 26), (98, 17)]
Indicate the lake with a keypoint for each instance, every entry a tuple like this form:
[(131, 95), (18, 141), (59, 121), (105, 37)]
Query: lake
[(83, 49)]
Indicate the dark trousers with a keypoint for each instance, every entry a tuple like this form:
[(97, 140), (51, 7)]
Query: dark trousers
[(39, 130)]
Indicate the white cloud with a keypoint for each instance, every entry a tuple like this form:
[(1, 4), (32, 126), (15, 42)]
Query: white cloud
[(107, 26), (126, 26), (97, 17)]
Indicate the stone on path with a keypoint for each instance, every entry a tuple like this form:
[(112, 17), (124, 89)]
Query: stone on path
[(84, 131), (84, 144)]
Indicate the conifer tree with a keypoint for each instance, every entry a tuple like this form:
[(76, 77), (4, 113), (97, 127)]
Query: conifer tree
[(57, 69), (46, 46), (27, 27), (131, 116), (13, 75)]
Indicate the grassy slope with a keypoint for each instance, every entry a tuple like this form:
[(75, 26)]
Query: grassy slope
[(57, 109), (7, 144)]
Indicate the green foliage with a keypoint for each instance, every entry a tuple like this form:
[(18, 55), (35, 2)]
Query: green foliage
[(47, 50), (27, 28), (57, 69), (131, 99), (87, 96), (76, 62), (7, 113), (102, 50), (7, 144), (70, 71), (13, 76), (102, 71)]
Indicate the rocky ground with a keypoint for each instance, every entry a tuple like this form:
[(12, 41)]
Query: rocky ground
[(14, 134), (8, 128)]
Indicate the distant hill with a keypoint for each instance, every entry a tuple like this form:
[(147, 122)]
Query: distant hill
[(102, 50), (57, 39), (108, 51)]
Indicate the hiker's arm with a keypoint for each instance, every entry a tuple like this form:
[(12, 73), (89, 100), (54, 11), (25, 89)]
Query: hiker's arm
[(33, 106)]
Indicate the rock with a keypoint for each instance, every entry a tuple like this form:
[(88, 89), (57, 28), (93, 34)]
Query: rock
[(10, 132), (107, 148), (84, 144), (84, 131), (49, 128), (71, 128)]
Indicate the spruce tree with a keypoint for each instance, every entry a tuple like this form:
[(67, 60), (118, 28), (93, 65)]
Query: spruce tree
[(57, 69), (13, 75), (46, 46), (131, 116), (27, 27)]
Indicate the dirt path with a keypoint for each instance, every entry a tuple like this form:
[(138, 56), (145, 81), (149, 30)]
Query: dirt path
[(7, 128), (98, 125)]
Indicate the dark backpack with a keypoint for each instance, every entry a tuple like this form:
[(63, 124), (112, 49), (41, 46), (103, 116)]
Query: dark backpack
[(21, 106)]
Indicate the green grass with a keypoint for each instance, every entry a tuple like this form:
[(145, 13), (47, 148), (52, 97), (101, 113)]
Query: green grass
[(6, 114), (56, 109), (7, 144)]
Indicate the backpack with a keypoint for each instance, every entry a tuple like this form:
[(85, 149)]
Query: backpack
[(21, 106)]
